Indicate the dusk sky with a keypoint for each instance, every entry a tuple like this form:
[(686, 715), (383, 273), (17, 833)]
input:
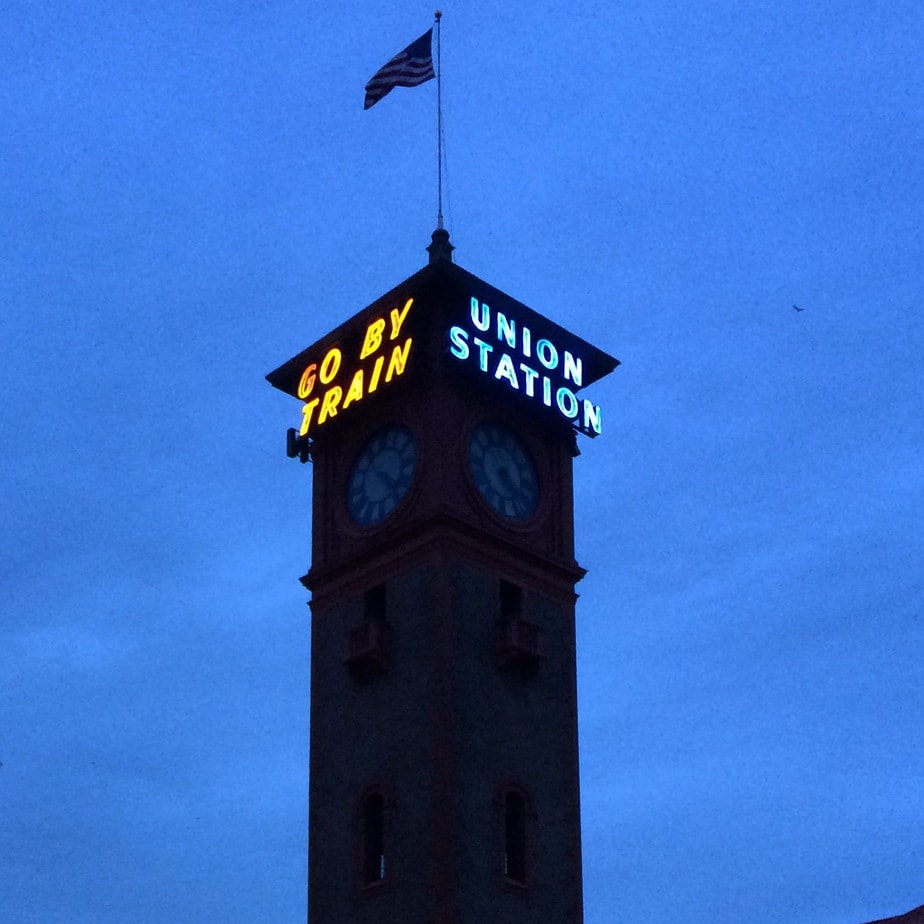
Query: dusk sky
[(191, 193)]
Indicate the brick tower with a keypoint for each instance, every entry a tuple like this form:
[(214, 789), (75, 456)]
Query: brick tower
[(441, 425)]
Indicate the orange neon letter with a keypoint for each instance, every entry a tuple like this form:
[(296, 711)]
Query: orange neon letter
[(398, 360), (355, 391), (397, 318), (376, 372), (373, 337), (307, 411), (307, 381), (331, 400), (330, 365)]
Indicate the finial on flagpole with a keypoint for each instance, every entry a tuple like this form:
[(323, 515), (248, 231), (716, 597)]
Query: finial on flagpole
[(440, 249)]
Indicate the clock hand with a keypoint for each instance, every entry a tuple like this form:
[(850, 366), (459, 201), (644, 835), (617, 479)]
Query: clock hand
[(390, 481), (507, 478)]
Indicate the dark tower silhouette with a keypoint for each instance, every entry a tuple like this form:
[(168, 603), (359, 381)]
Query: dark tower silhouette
[(441, 424)]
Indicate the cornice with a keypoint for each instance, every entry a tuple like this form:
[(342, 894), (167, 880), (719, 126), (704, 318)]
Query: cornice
[(441, 535)]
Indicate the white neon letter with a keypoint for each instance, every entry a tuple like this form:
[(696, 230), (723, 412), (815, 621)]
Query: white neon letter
[(531, 376), (592, 417), (459, 339), (481, 314), (506, 371), (566, 401), (506, 329), (527, 341), (574, 369), (547, 354), (483, 350)]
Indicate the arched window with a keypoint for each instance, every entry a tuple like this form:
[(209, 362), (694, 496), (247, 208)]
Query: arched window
[(515, 836), (373, 835)]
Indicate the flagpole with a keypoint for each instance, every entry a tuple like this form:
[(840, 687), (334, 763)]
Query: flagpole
[(439, 124)]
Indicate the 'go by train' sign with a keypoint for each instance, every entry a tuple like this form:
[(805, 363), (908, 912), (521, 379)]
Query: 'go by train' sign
[(330, 385)]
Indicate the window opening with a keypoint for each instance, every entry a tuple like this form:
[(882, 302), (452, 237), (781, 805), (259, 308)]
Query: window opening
[(373, 839), (521, 640), (511, 601), (515, 837), (374, 600), (367, 642)]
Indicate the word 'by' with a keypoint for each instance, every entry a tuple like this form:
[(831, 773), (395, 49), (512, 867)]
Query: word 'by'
[(363, 379)]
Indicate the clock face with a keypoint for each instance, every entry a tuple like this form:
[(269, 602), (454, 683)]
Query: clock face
[(381, 475), (503, 471)]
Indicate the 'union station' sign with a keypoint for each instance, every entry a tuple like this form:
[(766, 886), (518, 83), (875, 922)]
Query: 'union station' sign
[(504, 348)]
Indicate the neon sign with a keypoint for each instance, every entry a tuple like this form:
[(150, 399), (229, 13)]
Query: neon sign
[(342, 385), (536, 367)]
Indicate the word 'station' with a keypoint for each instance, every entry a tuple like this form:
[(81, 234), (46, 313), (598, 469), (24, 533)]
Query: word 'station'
[(550, 375), (364, 379)]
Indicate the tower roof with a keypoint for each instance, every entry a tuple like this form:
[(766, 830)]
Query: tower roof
[(444, 316), (444, 278)]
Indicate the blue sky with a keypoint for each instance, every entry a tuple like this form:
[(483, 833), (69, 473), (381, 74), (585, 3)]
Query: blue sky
[(192, 193)]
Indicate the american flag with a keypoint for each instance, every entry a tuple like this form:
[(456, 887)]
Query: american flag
[(408, 68)]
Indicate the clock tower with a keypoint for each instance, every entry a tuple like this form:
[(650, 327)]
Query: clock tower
[(441, 423)]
